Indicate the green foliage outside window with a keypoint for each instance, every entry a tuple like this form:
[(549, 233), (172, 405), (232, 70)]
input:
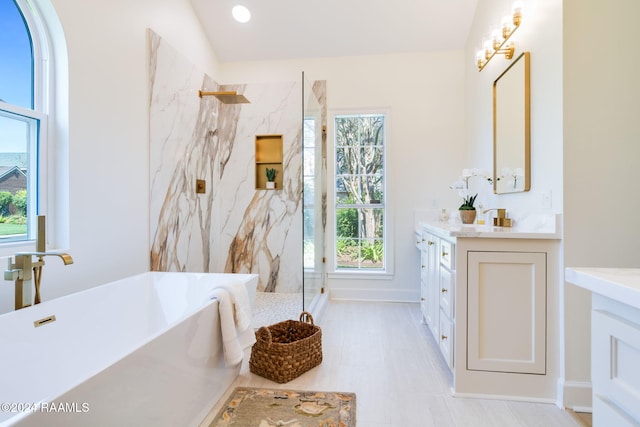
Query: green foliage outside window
[(360, 191), (13, 223), (5, 200), (20, 202)]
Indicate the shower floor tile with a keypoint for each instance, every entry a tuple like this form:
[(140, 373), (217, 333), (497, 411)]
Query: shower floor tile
[(274, 307)]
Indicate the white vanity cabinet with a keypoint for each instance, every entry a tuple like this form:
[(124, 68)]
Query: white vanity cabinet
[(437, 275), (615, 342), (496, 318), (429, 280), (446, 299)]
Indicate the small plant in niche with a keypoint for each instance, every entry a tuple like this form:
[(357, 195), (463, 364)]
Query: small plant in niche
[(271, 177), (271, 174)]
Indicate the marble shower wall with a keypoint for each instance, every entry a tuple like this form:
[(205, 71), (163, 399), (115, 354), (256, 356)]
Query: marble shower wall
[(232, 227)]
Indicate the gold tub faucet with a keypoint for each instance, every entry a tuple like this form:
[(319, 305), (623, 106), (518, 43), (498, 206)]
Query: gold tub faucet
[(23, 270)]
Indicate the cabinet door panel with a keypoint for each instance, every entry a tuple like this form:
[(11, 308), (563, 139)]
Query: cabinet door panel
[(615, 354), (506, 322)]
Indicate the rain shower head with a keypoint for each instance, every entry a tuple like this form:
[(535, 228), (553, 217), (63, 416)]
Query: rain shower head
[(226, 97)]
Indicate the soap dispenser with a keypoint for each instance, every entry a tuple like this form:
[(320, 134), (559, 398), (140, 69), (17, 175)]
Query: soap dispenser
[(444, 216), (480, 215)]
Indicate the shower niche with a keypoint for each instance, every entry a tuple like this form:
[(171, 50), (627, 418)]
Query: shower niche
[(269, 157)]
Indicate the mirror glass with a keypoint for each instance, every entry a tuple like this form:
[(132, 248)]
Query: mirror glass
[(511, 128)]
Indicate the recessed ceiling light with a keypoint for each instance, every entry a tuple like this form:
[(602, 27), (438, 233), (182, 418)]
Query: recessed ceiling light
[(241, 13)]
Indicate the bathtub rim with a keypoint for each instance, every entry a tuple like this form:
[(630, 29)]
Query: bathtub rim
[(125, 352)]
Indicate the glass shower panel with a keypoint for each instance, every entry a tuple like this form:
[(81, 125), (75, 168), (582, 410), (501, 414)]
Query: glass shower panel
[(314, 166)]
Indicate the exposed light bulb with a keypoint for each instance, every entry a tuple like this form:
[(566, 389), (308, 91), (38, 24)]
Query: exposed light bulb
[(507, 29), (497, 38), (480, 59), (517, 7), (241, 13), (488, 49), (517, 13)]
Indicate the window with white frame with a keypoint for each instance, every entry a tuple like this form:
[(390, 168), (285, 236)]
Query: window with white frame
[(360, 242), (23, 119)]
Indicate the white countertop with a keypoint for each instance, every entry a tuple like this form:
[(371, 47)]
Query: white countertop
[(528, 230), (619, 284)]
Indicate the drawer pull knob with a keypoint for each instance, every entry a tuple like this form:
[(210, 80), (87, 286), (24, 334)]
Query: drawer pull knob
[(444, 337), (444, 290), (444, 254), (430, 243), (422, 299)]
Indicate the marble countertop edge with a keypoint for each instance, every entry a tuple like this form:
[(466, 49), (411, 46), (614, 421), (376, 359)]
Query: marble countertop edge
[(489, 231), (619, 284)]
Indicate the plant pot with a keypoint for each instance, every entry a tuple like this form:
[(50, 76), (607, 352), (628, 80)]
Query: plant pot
[(271, 185), (468, 216)]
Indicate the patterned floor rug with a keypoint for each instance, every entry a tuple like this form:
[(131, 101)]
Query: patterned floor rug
[(259, 407)]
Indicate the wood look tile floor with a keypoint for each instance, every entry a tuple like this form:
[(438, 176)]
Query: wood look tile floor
[(384, 354)]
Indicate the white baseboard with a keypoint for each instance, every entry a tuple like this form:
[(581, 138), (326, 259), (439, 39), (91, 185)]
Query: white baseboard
[(576, 395), (382, 295), (504, 397), (318, 306)]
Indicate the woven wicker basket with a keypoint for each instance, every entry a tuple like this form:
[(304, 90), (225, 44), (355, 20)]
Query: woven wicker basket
[(286, 350)]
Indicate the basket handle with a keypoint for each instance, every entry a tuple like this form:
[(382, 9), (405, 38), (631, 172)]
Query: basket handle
[(306, 317), (265, 335)]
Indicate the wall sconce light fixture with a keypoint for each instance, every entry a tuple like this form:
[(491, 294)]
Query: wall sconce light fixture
[(499, 43)]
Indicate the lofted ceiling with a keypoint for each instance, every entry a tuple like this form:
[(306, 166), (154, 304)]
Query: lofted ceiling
[(287, 29)]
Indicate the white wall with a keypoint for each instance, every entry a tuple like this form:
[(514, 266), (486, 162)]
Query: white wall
[(601, 153), (424, 95), (541, 34), (108, 137)]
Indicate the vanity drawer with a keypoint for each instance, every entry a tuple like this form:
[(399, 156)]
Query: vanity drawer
[(446, 254), (446, 339), (445, 290)]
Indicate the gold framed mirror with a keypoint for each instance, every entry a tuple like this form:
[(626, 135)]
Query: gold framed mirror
[(512, 128)]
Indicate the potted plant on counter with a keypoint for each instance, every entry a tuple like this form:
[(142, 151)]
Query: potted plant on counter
[(271, 178), (467, 210)]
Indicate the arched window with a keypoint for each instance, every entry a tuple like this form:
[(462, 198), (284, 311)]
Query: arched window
[(23, 120)]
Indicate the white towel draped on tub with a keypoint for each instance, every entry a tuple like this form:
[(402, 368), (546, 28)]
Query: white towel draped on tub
[(236, 335), (240, 303)]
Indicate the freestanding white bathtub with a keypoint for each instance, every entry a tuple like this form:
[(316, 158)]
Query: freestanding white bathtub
[(145, 350)]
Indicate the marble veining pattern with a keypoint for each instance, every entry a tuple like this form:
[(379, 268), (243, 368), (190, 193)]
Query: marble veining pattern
[(320, 92), (232, 227)]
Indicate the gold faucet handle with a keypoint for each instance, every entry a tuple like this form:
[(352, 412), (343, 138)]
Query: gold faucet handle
[(13, 274)]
